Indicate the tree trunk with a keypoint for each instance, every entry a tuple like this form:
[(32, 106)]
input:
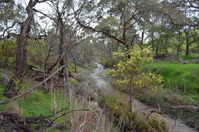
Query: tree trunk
[(179, 44), (142, 38), (12, 86), (152, 42), (61, 44), (187, 42)]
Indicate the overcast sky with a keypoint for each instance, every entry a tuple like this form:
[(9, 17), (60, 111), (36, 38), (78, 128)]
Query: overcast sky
[(44, 7)]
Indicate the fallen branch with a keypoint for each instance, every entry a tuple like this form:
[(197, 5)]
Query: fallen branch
[(192, 107), (50, 124), (12, 122), (33, 68), (30, 90)]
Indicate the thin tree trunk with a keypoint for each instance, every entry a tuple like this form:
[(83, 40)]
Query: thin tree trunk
[(187, 42), (179, 43), (61, 45), (152, 42)]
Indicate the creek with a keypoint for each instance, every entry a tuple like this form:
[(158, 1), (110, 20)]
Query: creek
[(103, 84)]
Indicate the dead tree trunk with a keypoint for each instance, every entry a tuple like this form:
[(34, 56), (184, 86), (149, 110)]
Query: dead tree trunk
[(12, 87)]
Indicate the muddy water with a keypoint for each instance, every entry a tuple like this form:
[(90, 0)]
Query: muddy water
[(174, 125)]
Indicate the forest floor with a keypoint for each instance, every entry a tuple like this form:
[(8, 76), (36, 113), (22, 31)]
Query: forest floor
[(85, 94)]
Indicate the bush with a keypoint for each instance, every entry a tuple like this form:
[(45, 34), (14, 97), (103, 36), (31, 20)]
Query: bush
[(7, 53), (128, 75), (122, 115), (108, 62)]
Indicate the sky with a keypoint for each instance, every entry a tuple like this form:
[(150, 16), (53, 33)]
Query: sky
[(44, 7)]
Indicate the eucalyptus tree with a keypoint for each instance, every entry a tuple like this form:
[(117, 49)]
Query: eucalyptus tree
[(126, 22), (10, 17), (11, 88), (118, 20), (182, 15), (65, 30)]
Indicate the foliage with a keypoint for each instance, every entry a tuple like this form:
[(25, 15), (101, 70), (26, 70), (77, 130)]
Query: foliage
[(7, 52), (37, 48), (109, 62), (115, 107), (73, 81), (83, 53), (10, 13), (127, 70)]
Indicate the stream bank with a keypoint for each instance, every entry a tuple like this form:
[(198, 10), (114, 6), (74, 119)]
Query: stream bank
[(103, 85)]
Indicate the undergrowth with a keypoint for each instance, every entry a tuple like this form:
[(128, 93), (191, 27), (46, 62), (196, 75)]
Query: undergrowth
[(128, 120)]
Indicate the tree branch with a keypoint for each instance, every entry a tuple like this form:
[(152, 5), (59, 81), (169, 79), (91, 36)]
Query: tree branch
[(30, 90)]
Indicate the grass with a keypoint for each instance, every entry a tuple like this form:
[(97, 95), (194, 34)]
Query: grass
[(183, 78), (41, 103), (190, 57), (2, 86)]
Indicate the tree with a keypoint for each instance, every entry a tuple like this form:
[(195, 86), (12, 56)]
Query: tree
[(5, 1), (11, 88), (128, 74), (122, 19)]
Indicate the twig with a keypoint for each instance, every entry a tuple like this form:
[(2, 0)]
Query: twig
[(60, 110), (63, 115)]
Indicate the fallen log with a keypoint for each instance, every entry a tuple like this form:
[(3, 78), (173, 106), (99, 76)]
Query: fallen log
[(190, 107)]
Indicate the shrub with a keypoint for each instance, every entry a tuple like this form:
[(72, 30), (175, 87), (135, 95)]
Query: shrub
[(127, 71), (7, 53), (122, 115)]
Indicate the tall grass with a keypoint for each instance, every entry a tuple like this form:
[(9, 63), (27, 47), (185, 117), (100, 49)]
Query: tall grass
[(181, 78), (185, 77)]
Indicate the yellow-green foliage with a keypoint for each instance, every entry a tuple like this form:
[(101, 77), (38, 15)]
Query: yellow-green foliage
[(7, 52), (127, 70), (151, 125), (115, 107)]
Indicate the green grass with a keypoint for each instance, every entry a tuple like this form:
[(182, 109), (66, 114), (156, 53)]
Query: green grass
[(73, 81), (2, 86), (181, 78), (40, 103), (190, 57)]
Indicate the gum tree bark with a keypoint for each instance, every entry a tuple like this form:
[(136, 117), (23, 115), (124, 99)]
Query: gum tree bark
[(11, 89)]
